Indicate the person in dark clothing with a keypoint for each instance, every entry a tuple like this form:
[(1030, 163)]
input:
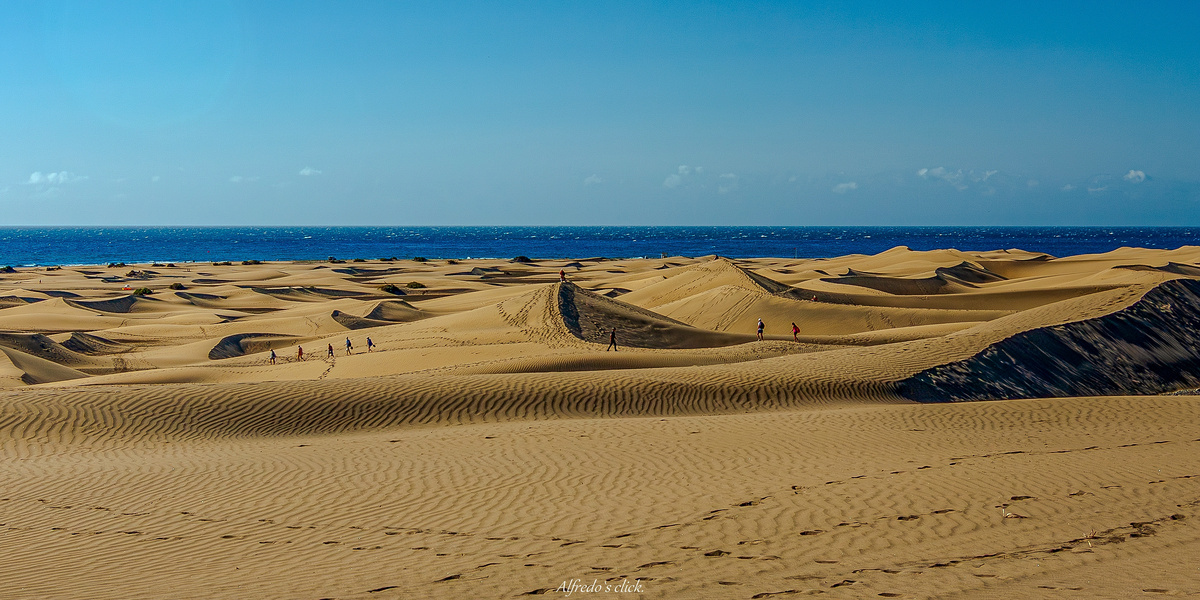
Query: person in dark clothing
[(612, 340)]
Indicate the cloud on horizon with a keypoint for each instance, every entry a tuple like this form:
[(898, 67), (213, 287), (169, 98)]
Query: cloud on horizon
[(53, 178), (309, 172), (1135, 176), (842, 188), (728, 183), (593, 179)]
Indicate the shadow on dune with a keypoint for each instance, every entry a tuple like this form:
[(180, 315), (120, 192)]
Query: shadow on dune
[(1150, 347), (242, 344), (122, 305), (591, 317)]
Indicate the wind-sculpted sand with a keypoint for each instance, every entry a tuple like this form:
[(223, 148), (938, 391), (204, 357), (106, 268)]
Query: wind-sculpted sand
[(946, 424)]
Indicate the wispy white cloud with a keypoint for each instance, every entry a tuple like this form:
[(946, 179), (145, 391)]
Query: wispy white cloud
[(593, 179), (682, 175), (53, 178), (842, 188), (156, 179), (1135, 176), (241, 179), (309, 171), (728, 183), (1068, 187), (958, 178)]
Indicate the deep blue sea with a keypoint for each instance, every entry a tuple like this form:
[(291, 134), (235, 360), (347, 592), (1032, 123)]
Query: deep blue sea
[(30, 246)]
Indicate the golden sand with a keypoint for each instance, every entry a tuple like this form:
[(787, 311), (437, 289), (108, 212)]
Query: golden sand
[(490, 446)]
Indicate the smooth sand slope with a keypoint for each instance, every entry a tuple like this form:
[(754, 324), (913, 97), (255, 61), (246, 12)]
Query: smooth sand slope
[(490, 447)]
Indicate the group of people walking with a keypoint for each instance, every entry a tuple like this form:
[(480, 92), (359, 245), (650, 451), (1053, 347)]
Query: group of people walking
[(762, 327), (612, 343), (274, 358)]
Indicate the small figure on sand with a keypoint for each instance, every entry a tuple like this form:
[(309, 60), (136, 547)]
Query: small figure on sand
[(760, 330), (299, 352), (612, 340), (349, 347), (330, 352), (370, 345), (795, 332), (562, 275), (272, 358)]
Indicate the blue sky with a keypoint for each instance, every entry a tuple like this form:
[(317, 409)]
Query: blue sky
[(445, 113)]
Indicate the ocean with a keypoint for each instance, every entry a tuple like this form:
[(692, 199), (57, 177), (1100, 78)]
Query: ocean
[(32, 246)]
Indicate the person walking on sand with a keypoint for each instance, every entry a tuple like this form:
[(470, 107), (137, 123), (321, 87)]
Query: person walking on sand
[(349, 347), (330, 353), (562, 275), (795, 332), (299, 352), (612, 340), (760, 330), (272, 358), (370, 344)]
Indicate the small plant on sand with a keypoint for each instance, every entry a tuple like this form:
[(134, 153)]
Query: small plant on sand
[(116, 265), (522, 259), (252, 262), (142, 291), (223, 263), (414, 285), (420, 259), (452, 262), (8, 269), (391, 288), (359, 260), (177, 286)]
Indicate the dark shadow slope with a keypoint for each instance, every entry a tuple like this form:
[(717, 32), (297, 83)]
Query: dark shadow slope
[(1153, 346), (591, 317)]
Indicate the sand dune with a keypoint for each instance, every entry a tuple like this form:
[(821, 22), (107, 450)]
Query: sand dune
[(490, 445)]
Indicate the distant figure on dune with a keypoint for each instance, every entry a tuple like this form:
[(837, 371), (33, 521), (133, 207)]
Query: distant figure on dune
[(612, 340), (299, 352), (272, 358), (370, 345), (349, 347), (760, 330), (795, 332), (330, 354), (562, 275)]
